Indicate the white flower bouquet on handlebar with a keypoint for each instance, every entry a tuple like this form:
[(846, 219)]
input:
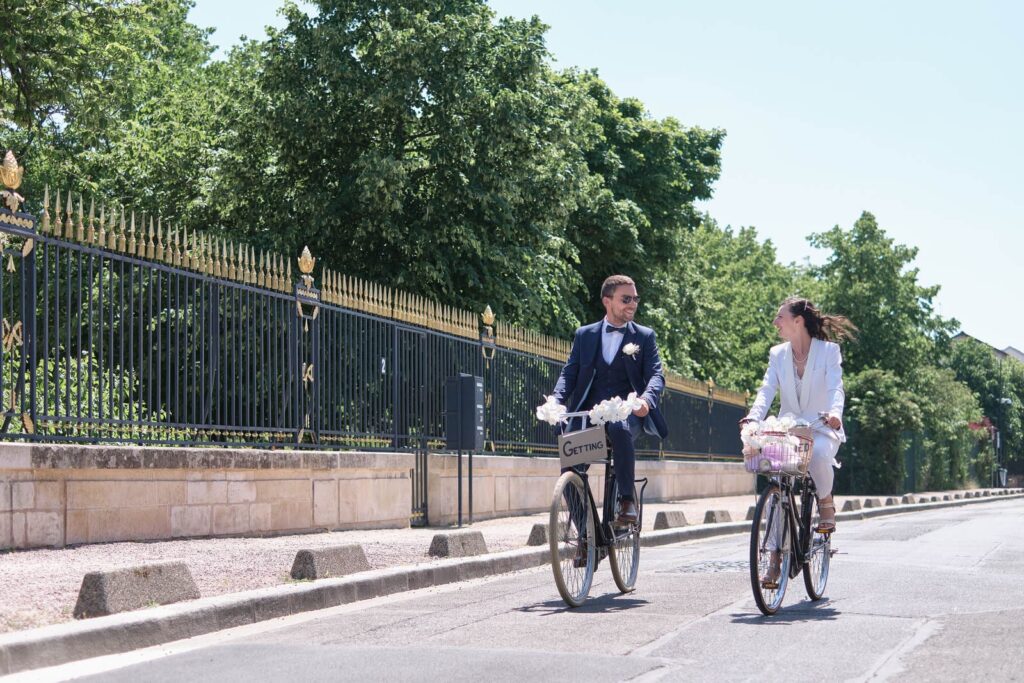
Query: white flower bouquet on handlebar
[(614, 409)]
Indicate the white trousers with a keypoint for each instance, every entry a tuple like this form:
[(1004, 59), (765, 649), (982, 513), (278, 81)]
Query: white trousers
[(823, 460)]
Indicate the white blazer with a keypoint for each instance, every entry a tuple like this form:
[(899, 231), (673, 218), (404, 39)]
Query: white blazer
[(821, 389)]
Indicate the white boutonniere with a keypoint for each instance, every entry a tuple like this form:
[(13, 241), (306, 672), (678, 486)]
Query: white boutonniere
[(631, 350)]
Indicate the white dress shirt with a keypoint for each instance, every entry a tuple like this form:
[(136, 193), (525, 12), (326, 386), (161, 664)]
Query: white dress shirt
[(611, 342)]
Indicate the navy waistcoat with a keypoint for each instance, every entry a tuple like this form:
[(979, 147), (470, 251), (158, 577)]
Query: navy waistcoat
[(609, 380)]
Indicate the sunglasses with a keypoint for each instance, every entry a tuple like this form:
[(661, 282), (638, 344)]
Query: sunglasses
[(627, 299)]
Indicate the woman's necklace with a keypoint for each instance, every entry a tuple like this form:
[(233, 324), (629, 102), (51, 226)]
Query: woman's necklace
[(800, 363)]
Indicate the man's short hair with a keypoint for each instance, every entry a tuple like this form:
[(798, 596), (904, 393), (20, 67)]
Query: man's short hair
[(610, 283)]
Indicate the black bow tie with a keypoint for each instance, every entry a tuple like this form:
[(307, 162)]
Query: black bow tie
[(610, 328)]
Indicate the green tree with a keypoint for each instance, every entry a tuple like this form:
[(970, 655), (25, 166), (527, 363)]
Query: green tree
[(420, 144), (739, 286), (637, 209), (880, 412), (870, 278), (999, 385), (948, 407), (112, 98)]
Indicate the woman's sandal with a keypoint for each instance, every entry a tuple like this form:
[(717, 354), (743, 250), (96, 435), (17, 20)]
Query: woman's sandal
[(771, 581), (826, 526)]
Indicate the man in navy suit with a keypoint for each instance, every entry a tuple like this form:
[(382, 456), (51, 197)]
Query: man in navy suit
[(598, 369)]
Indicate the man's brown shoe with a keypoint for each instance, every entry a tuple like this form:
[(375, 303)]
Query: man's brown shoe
[(627, 513)]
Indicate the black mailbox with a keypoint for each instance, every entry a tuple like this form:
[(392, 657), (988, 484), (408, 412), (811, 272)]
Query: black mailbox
[(464, 413)]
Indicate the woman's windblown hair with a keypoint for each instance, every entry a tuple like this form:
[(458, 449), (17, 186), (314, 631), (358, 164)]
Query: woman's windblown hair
[(820, 325)]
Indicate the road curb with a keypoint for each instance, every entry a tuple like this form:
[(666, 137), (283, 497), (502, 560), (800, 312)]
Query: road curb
[(118, 633)]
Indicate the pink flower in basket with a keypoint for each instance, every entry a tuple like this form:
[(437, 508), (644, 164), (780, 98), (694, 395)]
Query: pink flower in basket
[(768, 445)]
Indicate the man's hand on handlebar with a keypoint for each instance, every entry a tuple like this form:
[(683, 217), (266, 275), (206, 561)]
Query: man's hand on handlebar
[(643, 409)]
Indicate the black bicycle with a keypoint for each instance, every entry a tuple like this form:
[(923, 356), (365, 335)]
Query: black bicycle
[(576, 540), (783, 540)]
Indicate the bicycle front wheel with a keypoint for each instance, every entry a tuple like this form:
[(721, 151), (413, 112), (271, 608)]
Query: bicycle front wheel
[(769, 536), (571, 538), (624, 557), (819, 557)]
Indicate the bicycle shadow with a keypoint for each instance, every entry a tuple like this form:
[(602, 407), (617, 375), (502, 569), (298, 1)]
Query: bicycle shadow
[(806, 611), (610, 602)]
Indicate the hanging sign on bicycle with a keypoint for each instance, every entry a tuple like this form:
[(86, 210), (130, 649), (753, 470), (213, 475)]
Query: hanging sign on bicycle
[(586, 445)]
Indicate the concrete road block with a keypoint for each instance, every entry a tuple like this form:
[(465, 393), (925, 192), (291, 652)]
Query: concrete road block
[(750, 512), (947, 497), (331, 562), (872, 503), (717, 517), (538, 535), (892, 501), (908, 500), (670, 519), (958, 496), (458, 544), (851, 505), (121, 590)]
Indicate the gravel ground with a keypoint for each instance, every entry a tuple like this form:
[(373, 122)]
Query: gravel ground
[(40, 586)]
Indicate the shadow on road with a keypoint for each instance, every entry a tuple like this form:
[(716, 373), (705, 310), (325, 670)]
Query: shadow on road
[(805, 611), (612, 602)]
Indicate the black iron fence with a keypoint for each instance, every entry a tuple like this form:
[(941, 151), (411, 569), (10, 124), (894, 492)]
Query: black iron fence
[(118, 329)]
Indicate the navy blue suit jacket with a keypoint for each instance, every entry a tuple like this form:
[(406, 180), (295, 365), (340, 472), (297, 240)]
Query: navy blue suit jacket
[(644, 371)]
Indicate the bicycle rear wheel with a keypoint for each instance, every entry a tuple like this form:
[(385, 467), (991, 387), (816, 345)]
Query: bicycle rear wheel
[(624, 555), (769, 532), (819, 557), (571, 538)]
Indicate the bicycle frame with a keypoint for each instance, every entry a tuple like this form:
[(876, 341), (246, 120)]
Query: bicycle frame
[(799, 530), (605, 531)]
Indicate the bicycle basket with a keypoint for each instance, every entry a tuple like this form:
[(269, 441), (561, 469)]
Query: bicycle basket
[(781, 452)]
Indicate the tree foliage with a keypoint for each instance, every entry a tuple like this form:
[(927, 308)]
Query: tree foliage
[(869, 278), (999, 386), (948, 408), (739, 287), (881, 413)]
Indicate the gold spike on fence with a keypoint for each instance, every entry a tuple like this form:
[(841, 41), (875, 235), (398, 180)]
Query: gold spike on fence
[(46, 209), (69, 224), (90, 235), (101, 236), (54, 227), (158, 245)]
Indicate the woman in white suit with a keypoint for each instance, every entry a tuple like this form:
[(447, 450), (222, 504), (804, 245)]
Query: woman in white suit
[(807, 372)]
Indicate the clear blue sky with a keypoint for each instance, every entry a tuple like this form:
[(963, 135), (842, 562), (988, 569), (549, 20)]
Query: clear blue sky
[(911, 110)]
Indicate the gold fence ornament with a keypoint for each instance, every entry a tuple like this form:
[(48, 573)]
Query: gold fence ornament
[(306, 264), (11, 174), (12, 335)]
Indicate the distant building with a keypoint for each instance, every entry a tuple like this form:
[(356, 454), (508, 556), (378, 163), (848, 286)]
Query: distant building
[(1014, 353), (1008, 352)]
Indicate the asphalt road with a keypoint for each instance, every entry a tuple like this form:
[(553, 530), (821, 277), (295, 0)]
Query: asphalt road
[(935, 595)]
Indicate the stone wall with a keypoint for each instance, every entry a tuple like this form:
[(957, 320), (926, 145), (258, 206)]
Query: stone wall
[(55, 495), (505, 485), (61, 495)]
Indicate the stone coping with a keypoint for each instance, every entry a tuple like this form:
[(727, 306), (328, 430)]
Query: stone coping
[(76, 456)]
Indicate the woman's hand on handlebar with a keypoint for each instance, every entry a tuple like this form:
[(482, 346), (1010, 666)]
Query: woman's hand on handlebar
[(832, 421)]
